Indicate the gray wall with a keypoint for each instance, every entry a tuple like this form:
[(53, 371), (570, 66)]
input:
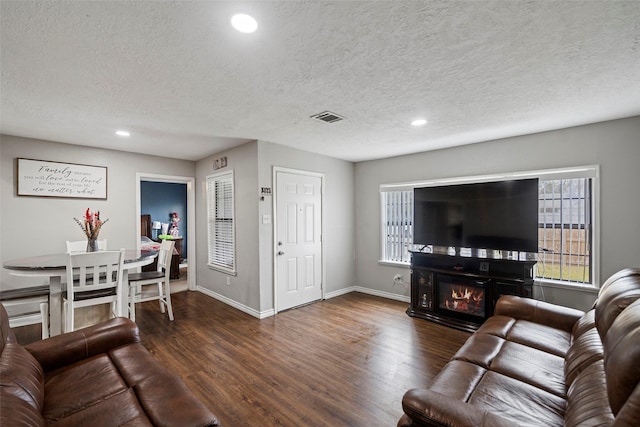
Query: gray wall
[(614, 145), (338, 209), (244, 288), (40, 225), (253, 163)]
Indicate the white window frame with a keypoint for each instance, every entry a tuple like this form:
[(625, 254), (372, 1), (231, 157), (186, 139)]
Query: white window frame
[(212, 255), (589, 171)]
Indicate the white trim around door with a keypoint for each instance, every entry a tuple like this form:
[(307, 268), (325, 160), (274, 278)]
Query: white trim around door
[(191, 215)]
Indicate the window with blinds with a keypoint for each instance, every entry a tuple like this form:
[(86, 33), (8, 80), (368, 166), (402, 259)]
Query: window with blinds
[(221, 224), (566, 222), (398, 225)]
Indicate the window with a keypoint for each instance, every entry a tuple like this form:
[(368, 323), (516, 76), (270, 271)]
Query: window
[(566, 222), (221, 224), (564, 230), (398, 225)]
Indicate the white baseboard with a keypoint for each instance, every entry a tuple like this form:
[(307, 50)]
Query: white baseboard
[(368, 291), (244, 308), (267, 313)]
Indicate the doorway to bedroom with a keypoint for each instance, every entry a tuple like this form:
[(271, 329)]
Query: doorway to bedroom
[(165, 209)]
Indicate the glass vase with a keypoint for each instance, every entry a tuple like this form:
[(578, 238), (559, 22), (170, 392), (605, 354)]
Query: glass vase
[(92, 245)]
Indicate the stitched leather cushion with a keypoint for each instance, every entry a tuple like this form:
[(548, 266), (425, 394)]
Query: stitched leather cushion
[(585, 350), (21, 377), (616, 294), (70, 389), (621, 362), (124, 386), (164, 397), (587, 403)]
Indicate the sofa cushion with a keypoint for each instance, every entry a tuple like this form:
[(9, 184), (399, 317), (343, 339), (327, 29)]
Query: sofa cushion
[(587, 402), (480, 349), (616, 294), (584, 324), (585, 350), (457, 379), (78, 386), (125, 386), (499, 394), (542, 337), (21, 376), (545, 338), (622, 360), (524, 404), (532, 366), (163, 396), (16, 412), (121, 409)]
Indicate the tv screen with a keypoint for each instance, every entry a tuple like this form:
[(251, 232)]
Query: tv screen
[(499, 215)]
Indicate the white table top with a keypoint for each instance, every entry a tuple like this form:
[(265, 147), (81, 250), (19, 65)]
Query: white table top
[(58, 261)]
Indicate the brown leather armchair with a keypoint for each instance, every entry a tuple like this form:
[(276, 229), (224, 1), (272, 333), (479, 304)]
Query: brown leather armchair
[(99, 375), (539, 364)]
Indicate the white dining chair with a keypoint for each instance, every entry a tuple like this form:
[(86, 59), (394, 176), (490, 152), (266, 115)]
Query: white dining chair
[(27, 306), (81, 245), (160, 278), (97, 279)]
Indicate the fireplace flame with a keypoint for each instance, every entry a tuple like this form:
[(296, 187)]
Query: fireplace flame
[(463, 299)]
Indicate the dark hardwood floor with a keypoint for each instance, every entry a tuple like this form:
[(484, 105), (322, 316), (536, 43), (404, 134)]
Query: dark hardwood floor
[(345, 361)]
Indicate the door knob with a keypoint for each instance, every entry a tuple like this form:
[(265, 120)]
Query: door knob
[(280, 253)]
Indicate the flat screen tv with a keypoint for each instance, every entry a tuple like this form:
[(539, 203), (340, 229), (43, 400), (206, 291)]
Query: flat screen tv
[(500, 215)]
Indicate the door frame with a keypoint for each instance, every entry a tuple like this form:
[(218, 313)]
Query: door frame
[(276, 170), (191, 215)]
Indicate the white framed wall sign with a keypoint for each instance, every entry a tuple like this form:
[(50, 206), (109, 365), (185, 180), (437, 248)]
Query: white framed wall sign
[(43, 178)]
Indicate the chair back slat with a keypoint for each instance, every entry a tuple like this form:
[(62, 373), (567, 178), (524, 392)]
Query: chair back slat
[(164, 255), (94, 271)]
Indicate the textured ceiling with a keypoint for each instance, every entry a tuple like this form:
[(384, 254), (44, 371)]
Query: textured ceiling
[(186, 85)]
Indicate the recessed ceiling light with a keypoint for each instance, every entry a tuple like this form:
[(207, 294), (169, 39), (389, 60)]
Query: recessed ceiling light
[(418, 122), (244, 23), (122, 133)]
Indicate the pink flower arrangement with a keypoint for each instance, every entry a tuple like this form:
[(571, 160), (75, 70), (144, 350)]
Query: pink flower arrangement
[(92, 224)]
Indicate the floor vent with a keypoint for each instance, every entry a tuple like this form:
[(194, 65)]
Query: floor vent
[(327, 117)]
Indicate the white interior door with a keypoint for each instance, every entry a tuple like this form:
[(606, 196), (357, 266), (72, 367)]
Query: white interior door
[(298, 239)]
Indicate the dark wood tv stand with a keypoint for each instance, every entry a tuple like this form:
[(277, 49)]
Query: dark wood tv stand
[(461, 292)]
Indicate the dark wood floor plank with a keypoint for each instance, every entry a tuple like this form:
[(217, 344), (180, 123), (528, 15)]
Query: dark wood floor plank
[(345, 361)]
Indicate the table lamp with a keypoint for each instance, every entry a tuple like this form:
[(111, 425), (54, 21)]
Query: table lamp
[(155, 226)]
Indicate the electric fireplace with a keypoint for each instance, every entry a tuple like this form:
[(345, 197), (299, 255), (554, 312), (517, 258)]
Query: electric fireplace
[(461, 297), (461, 292)]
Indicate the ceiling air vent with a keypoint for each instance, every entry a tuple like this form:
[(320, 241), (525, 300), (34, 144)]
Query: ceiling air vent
[(327, 117)]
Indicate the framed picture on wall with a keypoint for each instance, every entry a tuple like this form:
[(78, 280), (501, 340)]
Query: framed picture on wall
[(43, 178)]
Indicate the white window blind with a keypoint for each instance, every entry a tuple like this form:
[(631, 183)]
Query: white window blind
[(221, 222), (397, 222)]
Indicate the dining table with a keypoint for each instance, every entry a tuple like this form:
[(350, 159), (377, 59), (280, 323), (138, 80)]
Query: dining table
[(54, 267)]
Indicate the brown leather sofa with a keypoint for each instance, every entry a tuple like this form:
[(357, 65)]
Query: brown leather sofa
[(97, 376), (539, 364)]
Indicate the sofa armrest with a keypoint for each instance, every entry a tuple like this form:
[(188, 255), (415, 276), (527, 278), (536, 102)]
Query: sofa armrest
[(71, 347), (424, 407), (540, 312)]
